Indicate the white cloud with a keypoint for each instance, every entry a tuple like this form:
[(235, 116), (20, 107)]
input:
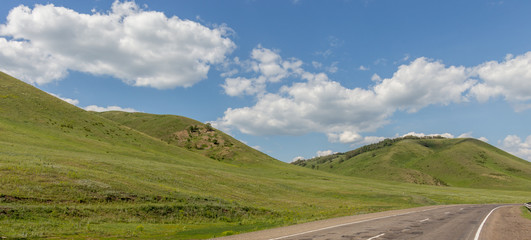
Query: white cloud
[(267, 66), (317, 65), (312, 102), (68, 100), (514, 145), (95, 108), (324, 153), (510, 79), (243, 86), (344, 137), (372, 139), (424, 82), (29, 63), (229, 73), (142, 48), (316, 103), (469, 135), (297, 158), (363, 68), (304, 107), (353, 138), (324, 54), (376, 78), (332, 68), (465, 135), (414, 134)]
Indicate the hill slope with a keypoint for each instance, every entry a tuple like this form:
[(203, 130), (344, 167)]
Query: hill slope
[(69, 173), (448, 162), (190, 134)]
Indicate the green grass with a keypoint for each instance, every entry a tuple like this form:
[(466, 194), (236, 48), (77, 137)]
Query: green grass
[(68, 173), (191, 135), (447, 162), (526, 213)]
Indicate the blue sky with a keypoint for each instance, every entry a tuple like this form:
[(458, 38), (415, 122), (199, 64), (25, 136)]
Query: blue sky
[(290, 78)]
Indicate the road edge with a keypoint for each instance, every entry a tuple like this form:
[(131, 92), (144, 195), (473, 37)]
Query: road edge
[(303, 228)]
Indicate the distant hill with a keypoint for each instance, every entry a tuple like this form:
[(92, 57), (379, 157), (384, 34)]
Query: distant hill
[(432, 161), (190, 134)]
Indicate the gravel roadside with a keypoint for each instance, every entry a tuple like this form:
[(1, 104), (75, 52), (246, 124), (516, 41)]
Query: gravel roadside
[(507, 223)]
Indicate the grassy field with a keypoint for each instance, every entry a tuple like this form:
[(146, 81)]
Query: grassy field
[(68, 173), (447, 162)]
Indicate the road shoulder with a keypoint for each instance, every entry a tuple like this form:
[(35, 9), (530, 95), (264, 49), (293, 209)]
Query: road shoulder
[(507, 223)]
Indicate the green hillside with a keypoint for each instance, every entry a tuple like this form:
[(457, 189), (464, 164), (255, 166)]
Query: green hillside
[(190, 134), (435, 161), (69, 173)]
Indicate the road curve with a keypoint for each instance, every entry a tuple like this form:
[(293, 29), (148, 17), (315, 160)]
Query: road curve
[(432, 222)]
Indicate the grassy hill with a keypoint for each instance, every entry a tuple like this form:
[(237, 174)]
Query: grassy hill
[(69, 173), (190, 134), (435, 161)]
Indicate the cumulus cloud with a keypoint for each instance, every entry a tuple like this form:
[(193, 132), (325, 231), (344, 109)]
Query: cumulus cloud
[(344, 137), (371, 139), (510, 79), (267, 67), (514, 145), (414, 134), (312, 102), (445, 135), (376, 78), (317, 65), (316, 104), (68, 100), (332, 68), (469, 135), (297, 158), (424, 82), (140, 47), (324, 153), (95, 108)]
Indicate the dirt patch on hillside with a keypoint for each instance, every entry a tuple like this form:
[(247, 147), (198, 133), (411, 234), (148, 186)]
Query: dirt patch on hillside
[(507, 223)]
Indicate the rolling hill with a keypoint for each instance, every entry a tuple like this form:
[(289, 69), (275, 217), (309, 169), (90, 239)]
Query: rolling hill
[(190, 134), (433, 161), (69, 173)]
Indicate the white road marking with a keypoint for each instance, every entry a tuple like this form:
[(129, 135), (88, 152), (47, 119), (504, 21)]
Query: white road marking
[(346, 224), (482, 223), (424, 220), (377, 236)]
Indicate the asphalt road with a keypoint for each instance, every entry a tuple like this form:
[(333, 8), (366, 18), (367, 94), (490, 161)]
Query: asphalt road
[(436, 222)]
